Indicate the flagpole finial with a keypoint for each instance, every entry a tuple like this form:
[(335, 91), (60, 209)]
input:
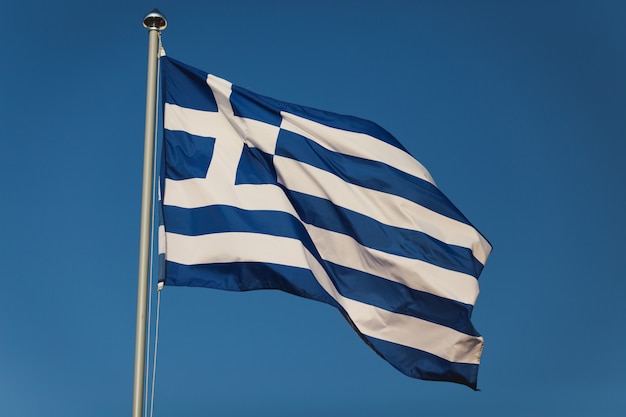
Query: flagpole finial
[(155, 20)]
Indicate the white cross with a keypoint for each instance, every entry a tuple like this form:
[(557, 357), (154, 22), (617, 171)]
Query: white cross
[(231, 133)]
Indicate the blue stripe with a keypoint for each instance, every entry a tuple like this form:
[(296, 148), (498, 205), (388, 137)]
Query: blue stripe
[(351, 283), (423, 365), (254, 106), (220, 219), (247, 276), (373, 234), (367, 173), (186, 86), (398, 298)]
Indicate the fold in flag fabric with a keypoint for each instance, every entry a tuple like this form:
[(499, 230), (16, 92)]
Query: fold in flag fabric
[(262, 194)]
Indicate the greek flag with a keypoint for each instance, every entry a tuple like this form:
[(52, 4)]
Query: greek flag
[(262, 194)]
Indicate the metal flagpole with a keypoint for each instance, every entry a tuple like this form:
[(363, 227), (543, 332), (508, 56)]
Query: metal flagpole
[(154, 22)]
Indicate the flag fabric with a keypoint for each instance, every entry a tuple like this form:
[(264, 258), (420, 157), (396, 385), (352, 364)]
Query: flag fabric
[(262, 194)]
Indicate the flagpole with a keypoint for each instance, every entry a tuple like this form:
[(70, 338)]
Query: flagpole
[(154, 22)]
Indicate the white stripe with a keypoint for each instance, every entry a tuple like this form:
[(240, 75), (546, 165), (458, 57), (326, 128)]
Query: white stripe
[(386, 208), (343, 250), (235, 247), (355, 144), (198, 192), (409, 331)]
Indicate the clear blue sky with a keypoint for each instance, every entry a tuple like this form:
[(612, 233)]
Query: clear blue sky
[(517, 108)]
